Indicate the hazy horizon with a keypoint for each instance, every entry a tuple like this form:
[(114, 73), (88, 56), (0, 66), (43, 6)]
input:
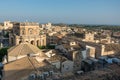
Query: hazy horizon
[(62, 11)]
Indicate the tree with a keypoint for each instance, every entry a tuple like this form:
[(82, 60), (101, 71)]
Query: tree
[(3, 52), (47, 47)]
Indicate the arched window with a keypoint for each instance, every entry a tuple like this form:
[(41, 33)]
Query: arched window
[(30, 31), (37, 42), (23, 32), (20, 42), (32, 42)]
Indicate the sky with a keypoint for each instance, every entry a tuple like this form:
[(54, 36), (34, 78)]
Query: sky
[(61, 11)]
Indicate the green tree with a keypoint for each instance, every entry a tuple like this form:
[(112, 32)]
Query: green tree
[(3, 52)]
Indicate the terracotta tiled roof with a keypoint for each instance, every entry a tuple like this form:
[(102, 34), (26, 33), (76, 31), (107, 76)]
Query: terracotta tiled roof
[(22, 67), (23, 49)]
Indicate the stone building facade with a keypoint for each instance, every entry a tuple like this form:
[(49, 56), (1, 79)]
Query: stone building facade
[(90, 51), (27, 32), (77, 59), (89, 37), (8, 25)]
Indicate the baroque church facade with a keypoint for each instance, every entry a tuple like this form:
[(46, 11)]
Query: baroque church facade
[(26, 32)]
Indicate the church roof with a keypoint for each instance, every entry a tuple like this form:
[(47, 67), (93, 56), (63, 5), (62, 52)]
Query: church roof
[(22, 67), (23, 49)]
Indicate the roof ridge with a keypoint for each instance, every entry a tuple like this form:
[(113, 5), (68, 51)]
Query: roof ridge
[(29, 45), (20, 50)]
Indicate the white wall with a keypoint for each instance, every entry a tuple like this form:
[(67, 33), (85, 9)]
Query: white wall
[(90, 51), (49, 53), (11, 58), (19, 57)]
